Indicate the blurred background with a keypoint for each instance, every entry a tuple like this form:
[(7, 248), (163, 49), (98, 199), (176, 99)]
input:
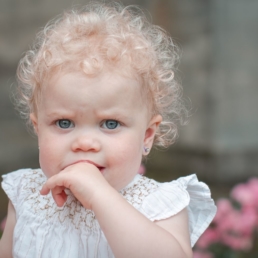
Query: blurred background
[(218, 71)]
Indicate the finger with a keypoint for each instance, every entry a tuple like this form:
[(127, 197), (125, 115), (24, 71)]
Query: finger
[(52, 182), (59, 195), (44, 190)]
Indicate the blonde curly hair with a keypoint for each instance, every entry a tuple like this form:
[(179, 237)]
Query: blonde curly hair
[(101, 35)]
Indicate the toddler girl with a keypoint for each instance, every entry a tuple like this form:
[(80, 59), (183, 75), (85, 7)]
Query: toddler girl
[(98, 88)]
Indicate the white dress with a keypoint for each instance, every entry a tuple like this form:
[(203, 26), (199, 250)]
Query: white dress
[(44, 230)]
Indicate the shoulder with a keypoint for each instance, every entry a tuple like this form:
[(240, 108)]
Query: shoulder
[(22, 175), (21, 183), (161, 201), (141, 187)]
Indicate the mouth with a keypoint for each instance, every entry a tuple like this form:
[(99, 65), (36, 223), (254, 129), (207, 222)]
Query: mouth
[(100, 168)]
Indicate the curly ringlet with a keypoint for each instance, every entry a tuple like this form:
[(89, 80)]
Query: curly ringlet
[(100, 35)]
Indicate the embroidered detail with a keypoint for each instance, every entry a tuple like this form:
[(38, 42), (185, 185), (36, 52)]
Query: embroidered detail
[(72, 211), (44, 206), (136, 193)]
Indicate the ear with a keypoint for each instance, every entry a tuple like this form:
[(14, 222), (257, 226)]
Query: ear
[(34, 121), (150, 133)]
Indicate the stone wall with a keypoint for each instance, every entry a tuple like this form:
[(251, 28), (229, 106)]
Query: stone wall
[(219, 74)]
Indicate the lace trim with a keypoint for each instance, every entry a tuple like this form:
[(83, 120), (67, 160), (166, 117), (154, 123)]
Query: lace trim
[(136, 193), (72, 211), (44, 206)]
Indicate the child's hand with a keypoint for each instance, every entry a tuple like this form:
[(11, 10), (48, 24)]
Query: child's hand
[(83, 179)]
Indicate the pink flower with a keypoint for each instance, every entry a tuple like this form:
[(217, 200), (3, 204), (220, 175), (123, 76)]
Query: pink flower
[(236, 242), (253, 187), (210, 236), (253, 183), (224, 207), (242, 194), (246, 194), (248, 220), (233, 227), (199, 254), (236, 229)]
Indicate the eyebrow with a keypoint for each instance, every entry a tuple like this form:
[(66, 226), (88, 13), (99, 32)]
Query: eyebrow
[(59, 113), (112, 112)]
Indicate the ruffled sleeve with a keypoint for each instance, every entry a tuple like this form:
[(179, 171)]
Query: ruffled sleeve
[(170, 198), (15, 185), (11, 185)]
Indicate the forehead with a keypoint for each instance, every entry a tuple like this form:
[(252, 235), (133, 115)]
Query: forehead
[(106, 90)]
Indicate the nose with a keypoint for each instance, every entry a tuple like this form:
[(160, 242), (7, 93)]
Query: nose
[(86, 143)]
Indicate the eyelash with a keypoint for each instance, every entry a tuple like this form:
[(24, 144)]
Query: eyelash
[(66, 120), (118, 124), (58, 124)]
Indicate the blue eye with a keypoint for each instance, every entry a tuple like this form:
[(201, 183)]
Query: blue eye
[(64, 123), (111, 124)]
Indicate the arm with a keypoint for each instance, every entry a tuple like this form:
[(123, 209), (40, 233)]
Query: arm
[(135, 236), (7, 238), (178, 226), (128, 232)]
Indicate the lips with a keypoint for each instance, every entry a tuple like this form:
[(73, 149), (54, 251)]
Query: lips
[(100, 168)]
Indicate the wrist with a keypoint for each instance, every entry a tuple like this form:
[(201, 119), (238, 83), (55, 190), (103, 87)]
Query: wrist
[(103, 197)]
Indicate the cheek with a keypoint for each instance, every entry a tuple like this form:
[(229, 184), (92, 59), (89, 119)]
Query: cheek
[(48, 156), (46, 147), (124, 165), (125, 153), (45, 160)]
